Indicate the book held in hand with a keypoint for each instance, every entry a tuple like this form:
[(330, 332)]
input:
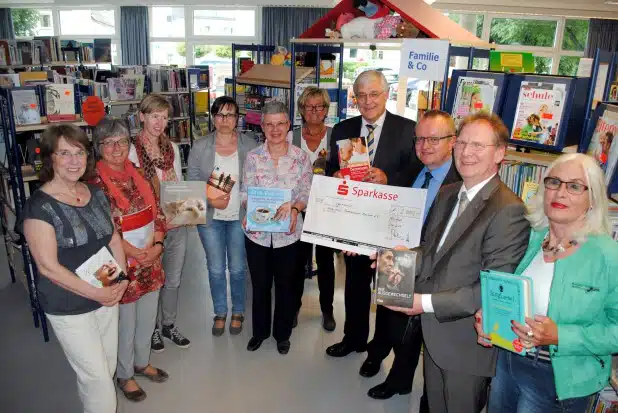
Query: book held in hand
[(505, 297), (262, 207), (100, 270), (184, 203), (220, 183), (395, 274), (353, 158)]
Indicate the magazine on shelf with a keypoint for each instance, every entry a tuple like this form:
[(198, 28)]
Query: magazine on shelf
[(9, 80), (26, 108), (139, 85), (103, 50), (100, 270), (184, 202), (60, 102), (603, 146), (121, 88), (396, 271), (505, 297), (473, 95), (354, 160), (262, 207), (539, 111)]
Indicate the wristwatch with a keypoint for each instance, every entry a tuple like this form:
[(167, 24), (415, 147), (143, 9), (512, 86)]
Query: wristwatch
[(297, 210), (161, 244)]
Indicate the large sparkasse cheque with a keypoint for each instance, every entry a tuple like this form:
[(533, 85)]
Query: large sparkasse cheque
[(362, 217)]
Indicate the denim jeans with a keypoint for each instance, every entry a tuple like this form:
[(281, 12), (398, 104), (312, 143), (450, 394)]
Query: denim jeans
[(524, 385), (225, 240)]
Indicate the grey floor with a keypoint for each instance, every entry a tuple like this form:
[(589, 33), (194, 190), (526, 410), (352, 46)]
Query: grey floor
[(215, 375)]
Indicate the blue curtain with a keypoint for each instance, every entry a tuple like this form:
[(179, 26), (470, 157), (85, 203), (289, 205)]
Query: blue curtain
[(134, 35), (603, 34), (280, 24), (6, 24)]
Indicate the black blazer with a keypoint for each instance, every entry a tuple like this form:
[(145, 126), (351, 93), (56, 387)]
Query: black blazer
[(395, 154)]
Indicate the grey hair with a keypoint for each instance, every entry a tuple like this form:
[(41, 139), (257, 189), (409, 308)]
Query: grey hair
[(370, 76), (274, 107), (107, 128), (597, 219)]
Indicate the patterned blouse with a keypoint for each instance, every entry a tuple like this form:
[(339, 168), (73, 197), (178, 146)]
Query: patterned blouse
[(142, 279), (292, 172)]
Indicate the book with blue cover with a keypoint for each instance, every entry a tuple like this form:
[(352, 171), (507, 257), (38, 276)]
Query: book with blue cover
[(263, 205), (505, 297)]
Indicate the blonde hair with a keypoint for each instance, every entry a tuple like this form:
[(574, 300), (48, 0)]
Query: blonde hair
[(312, 92), (154, 103), (597, 219)]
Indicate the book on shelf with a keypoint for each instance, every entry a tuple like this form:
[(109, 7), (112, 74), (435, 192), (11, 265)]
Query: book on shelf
[(606, 401), (603, 144), (50, 50), (516, 174), (529, 190), (87, 52), (505, 297), (180, 105), (201, 101), (121, 88), (395, 275), (9, 80), (184, 202), (178, 131), (103, 50), (354, 160), (69, 55), (540, 110), (26, 106), (473, 95), (60, 102), (139, 84), (29, 53), (262, 207), (9, 54), (164, 79), (33, 78)]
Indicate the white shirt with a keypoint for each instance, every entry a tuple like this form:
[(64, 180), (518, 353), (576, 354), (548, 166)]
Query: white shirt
[(542, 274), (313, 156), (177, 164), (377, 131), (470, 194), (229, 165)]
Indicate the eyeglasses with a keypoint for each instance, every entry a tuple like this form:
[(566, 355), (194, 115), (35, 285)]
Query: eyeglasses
[(363, 97), (314, 108), (475, 146), (68, 155), (278, 125), (122, 143), (157, 116), (225, 116), (433, 140), (572, 187)]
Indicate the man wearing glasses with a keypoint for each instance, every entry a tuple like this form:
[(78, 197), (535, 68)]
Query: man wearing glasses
[(473, 226), (434, 142), (390, 141)]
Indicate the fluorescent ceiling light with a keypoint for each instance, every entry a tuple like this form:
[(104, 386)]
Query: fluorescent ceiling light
[(612, 3)]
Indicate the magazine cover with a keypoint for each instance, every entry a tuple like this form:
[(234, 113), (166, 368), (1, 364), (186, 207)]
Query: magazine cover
[(9, 80), (353, 158), (473, 95), (539, 112), (60, 102), (121, 88), (26, 107), (103, 50), (139, 85), (613, 92), (603, 146), (100, 270), (184, 203), (263, 207), (395, 275)]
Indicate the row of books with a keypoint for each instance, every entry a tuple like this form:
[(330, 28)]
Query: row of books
[(515, 175), (178, 131), (180, 105), (48, 49), (167, 79), (56, 102)]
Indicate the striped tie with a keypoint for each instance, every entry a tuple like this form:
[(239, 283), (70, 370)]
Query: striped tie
[(371, 141)]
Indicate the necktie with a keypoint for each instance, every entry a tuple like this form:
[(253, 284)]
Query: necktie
[(463, 203), (371, 141), (428, 177)]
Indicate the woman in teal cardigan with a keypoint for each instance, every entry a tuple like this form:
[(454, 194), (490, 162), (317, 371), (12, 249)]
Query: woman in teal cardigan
[(573, 263)]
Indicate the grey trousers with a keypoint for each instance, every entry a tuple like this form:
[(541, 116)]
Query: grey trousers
[(453, 392), (135, 326), (173, 261)]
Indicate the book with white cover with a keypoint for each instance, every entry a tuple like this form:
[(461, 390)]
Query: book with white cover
[(99, 270)]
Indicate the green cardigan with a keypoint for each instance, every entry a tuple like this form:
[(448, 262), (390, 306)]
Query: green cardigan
[(583, 302)]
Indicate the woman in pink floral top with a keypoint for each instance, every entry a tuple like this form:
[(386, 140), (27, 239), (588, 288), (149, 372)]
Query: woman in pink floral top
[(272, 256)]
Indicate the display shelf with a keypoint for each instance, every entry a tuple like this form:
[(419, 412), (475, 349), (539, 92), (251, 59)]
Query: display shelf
[(536, 158), (123, 102), (180, 92), (42, 126), (180, 117), (272, 76)]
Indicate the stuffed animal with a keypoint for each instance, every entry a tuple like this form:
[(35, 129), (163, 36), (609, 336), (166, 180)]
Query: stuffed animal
[(407, 30), (360, 28), (372, 9), (278, 58)]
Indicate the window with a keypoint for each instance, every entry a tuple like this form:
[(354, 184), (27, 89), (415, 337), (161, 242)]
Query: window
[(353, 53), (568, 65), (32, 22), (575, 35), (523, 32), (168, 53), (219, 57), (167, 22), (221, 22), (87, 22), (543, 65), (471, 22)]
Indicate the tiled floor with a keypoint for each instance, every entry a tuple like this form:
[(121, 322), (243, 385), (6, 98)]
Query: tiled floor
[(215, 375)]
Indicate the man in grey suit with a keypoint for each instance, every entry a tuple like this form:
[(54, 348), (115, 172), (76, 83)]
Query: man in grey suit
[(473, 226)]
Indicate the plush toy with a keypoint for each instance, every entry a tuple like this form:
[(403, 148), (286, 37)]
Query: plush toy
[(407, 30), (360, 28), (372, 9), (343, 19), (387, 28), (278, 58)]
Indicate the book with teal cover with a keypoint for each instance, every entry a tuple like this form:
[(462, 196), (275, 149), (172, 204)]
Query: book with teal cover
[(505, 297), (262, 207)]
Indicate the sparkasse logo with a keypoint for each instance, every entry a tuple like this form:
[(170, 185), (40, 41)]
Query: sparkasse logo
[(343, 189)]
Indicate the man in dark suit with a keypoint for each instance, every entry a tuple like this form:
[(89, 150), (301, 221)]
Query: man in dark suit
[(435, 138), (390, 141), (476, 225)]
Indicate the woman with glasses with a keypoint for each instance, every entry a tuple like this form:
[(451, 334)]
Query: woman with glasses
[(218, 159), (65, 223), (138, 218), (273, 255), (314, 139), (573, 262)]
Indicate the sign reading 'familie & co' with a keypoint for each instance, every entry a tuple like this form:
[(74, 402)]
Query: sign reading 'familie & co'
[(424, 59)]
